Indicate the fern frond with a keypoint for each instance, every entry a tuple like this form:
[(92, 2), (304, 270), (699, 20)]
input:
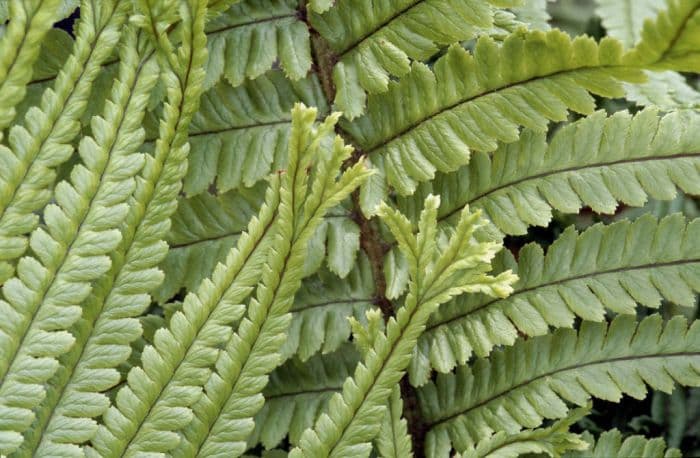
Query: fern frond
[(121, 295), (472, 101), (321, 308), (596, 162), (667, 90), (45, 140), (671, 41), (297, 393), (240, 135), (19, 47), (375, 40), (582, 275), (353, 418), (624, 19), (224, 415), (611, 443), (247, 40), (393, 440), (204, 229), (553, 441), (43, 301), (521, 385)]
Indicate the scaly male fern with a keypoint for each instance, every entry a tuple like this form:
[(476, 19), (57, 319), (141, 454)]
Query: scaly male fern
[(204, 202)]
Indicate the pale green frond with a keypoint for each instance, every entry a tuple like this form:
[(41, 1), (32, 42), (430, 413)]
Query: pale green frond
[(534, 13), (204, 229), (612, 443), (297, 393), (582, 275), (596, 162), (671, 40), (321, 309), (72, 251), (353, 418), (431, 119), (554, 441), (239, 135), (373, 41), (393, 440), (77, 395), (233, 395), (19, 47), (246, 41), (624, 19), (44, 140), (522, 385), (667, 90)]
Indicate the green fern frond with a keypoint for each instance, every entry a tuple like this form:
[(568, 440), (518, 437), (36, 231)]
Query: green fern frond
[(370, 50), (240, 135), (247, 40), (521, 385), (430, 120), (297, 393), (624, 19), (393, 440), (553, 441), (45, 139), (204, 229), (353, 418), (671, 41), (611, 443), (596, 162), (667, 90), (19, 47), (224, 415), (43, 301), (582, 275)]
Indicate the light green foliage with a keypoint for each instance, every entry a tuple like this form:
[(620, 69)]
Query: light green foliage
[(277, 227)]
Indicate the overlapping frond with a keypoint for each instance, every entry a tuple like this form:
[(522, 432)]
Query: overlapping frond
[(77, 396), (44, 140), (612, 443), (624, 19), (554, 440), (250, 37), (375, 40), (240, 135), (582, 275), (595, 162), (430, 120), (321, 308), (667, 90), (19, 47), (43, 301), (233, 395), (671, 41), (522, 385), (353, 418), (393, 440), (297, 393)]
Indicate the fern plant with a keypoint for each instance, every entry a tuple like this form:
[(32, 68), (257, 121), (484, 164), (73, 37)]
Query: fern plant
[(277, 227)]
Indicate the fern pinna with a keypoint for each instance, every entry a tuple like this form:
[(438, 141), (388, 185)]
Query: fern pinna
[(277, 227)]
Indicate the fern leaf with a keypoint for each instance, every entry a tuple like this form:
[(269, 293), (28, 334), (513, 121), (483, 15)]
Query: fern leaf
[(246, 41), (353, 418), (624, 19), (240, 135), (393, 440), (44, 141), (121, 294), (371, 50), (667, 90), (321, 308), (594, 162), (234, 394), (473, 101), (44, 300), (611, 443), (554, 441), (297, 393), (582, 275), (521, 385), (672, 40), (19, 47)]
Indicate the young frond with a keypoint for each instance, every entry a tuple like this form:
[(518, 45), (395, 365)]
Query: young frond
[(522, 385)]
